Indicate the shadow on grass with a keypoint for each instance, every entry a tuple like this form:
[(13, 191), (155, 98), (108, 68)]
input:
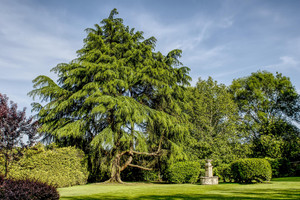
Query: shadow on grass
[(287, 179), (255, 194)]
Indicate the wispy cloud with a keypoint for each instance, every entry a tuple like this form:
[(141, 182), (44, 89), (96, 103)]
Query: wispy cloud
[(222, 39), (32, 42), (286, 63)]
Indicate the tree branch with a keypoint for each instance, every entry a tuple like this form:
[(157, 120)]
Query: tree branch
[(126, 163), (150, 154), (137, 166)]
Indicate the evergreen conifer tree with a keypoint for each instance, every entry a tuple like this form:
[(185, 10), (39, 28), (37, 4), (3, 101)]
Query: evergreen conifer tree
[(118, 98)]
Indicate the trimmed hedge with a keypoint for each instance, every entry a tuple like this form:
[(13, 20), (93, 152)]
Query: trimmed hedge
[(223, 171), (184, 172), (251, 169), (11, 189), (61, 167)]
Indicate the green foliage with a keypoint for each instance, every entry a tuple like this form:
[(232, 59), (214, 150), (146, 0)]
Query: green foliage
[(269, 107), (184, 172), (139, 175), (224, 172), (269, 146), (61, 167), (214, 120), (275, 165), (251, 169)]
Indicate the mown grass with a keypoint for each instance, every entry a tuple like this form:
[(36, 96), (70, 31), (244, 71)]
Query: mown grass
[(280, 188)]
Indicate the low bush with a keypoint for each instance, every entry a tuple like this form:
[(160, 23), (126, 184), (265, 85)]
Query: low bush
[(61, 167), (11, 189), (251, 169), (275, 164), (223, 171), (133, 174), (184, 172), (282, 167)]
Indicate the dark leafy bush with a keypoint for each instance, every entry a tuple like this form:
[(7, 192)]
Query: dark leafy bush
[(275, 164), (61, 167), (251, 169), (223, 171), (136, 174), (11, 189), (282, 167), (184, 172), (132, 174)]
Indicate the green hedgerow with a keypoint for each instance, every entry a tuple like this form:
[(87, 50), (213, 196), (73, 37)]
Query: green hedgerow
[(184, 172), (224, 172), (61, 167), (251, 169)]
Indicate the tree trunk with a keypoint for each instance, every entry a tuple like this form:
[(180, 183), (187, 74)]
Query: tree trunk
[(6, 158), (115, 176), (6, 167)]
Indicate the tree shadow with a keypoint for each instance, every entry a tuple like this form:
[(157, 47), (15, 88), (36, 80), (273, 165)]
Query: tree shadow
[(255, 194)]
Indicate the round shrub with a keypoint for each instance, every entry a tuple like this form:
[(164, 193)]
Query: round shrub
[(11, 189), (184, 172), (251, 169)]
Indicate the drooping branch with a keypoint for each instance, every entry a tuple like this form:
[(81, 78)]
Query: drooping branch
[(131, 152), (146, 153), (137, 166)]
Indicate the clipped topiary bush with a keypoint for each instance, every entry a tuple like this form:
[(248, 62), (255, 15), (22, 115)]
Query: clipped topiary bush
[(184, 172), (61, 167), (12, 189), (251, 169)]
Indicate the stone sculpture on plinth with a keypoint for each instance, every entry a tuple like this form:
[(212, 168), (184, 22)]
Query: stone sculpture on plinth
[(209, 179)]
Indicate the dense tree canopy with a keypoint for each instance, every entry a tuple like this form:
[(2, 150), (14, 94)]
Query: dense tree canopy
[(269, 107), (214, 118), (118, 97), (14, 125)]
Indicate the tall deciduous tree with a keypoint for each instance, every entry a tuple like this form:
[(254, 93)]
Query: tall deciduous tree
[(119, 97), (13, 127), (214, 118), (268, 105)]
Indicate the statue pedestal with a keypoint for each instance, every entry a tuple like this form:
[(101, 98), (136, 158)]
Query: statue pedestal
[(214, 180), (209, 179)]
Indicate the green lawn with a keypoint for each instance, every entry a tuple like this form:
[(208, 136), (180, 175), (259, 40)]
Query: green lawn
[(280, 188)]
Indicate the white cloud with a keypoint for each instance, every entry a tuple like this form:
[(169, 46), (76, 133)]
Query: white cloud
[(185, 35), (286, 63), (287, 60)]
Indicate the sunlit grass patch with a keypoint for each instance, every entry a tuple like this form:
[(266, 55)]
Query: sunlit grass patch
[(281, 188)]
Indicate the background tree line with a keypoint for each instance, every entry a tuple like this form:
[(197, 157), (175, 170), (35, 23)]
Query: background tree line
[(129, 108)]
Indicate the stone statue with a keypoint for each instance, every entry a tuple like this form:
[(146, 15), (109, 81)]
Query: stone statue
[(209, 179)]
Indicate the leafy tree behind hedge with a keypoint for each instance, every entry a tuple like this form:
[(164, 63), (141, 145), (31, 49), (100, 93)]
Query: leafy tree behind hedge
[(214, 123), (61, 167), (269, 107), (14, 125)]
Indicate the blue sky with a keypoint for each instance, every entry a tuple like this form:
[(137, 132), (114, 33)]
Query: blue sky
[(224, 39)]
